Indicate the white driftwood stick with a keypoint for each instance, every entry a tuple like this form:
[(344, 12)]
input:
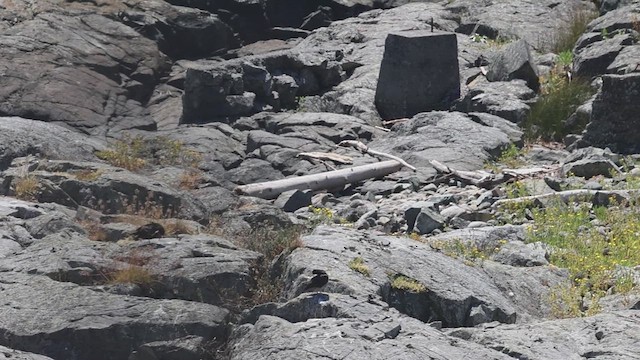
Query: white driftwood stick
[(365, 149), (568, 195), (325, 180), (341, 159)]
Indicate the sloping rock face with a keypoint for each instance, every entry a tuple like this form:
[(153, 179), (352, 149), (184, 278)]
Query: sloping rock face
[(7, 353), (530, 20), (154, 263), (344, 326), (450, 137), (66, 321), (77, 74), (450, 296), (612, 335), (22, 137)]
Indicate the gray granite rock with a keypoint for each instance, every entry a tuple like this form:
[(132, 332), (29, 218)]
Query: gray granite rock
[(613, 120), (514, 61), (21, 137), (610, 335), (11, 354), (330, 325), (66, 321), (452, 288)]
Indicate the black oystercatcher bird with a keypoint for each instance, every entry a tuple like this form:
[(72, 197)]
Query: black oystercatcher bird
[(319, 280)]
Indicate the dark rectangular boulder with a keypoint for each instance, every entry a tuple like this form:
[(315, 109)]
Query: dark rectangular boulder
[(615, 119), (419, 73)]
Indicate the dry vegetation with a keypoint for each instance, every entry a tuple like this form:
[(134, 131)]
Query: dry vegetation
[(133, 271), (135, 153), (26, 187), (402, 282)]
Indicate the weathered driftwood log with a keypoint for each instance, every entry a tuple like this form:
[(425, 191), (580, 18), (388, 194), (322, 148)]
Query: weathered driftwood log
[(325, 180), (478, 178), (489, 180), (365, 150), (597, 196), (337, 158)]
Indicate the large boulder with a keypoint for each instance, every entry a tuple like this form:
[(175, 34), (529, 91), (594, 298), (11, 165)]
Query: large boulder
[(609, 46), (614, 116), (452, 292), (66, 321), (223, 91), (449, 137), (514, 61), (334, 325), (419, 72), (180, 32)]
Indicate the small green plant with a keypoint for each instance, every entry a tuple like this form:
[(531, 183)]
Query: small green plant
[(271, 241), (126, 154), (565, 59), (510, 157), (401, 282), (26, 187), (357, 264), (321, 215), (467, 251), (516, 189)]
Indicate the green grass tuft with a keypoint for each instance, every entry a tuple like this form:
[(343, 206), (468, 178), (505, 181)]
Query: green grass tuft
[(401, 282), (357, 264), (559, 99)]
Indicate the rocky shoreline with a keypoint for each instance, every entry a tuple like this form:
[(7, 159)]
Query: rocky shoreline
[(126, 127)]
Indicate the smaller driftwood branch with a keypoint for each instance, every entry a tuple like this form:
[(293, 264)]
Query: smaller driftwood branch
[(337, 158), (573, 195), (365, 149), (325, 180), (479, 178)]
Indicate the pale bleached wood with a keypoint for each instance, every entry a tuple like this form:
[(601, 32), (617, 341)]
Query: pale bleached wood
[(340, 159), (571, 195), (365, 149), (326, 180)]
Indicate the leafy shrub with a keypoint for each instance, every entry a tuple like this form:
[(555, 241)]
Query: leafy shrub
[(560, 97)]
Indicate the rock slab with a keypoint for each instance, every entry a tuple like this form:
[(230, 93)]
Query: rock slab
[(419, 73)]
